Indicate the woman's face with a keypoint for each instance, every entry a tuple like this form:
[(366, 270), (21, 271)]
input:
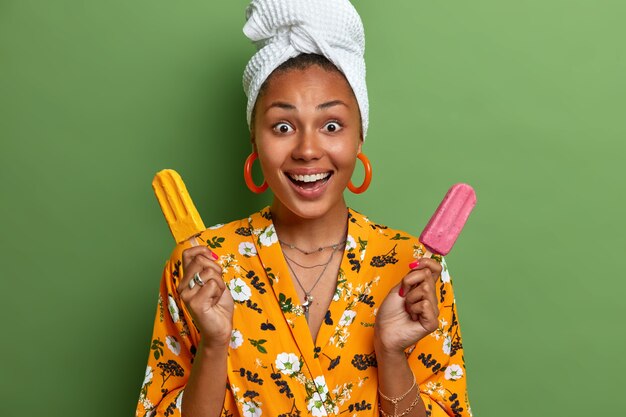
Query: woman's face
[(307, 132)]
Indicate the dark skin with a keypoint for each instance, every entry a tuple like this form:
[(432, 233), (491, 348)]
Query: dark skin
[(309, 122)]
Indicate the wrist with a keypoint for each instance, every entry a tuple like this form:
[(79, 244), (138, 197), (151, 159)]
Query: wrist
[(212, 349), (384, 348), (388, 355)]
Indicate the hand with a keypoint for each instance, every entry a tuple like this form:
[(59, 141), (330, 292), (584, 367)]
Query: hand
[(410, 310), (211, 304)]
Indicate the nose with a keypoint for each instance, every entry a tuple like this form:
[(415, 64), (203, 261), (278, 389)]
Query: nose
[(308, 146)]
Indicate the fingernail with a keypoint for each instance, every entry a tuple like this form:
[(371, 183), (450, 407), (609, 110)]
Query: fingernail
[(401, 292), (414, 264), (214, 255)]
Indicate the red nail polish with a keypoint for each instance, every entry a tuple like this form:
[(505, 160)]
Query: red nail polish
[(214, 255), (414, 264), (401, 292)]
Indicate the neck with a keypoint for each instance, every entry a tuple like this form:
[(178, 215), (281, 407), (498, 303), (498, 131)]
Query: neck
[(310, 233)]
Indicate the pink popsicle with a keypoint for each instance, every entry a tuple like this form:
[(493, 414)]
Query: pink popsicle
[(446, 224)]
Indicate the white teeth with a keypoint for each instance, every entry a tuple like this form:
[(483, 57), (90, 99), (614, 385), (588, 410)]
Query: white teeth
[(309, 178)]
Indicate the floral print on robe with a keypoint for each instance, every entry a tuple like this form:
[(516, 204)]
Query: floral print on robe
[(275, 368)]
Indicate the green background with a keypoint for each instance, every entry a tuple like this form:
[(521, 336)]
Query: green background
[(525, 100)]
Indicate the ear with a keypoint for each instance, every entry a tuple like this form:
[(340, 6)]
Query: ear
[(253, 142), (360, 146)]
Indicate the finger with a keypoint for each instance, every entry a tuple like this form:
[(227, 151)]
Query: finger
[(206, 275), (214, 276), (427, 263), (190, 253), (201, 263), (424, 291), (197, 264), (208, 295), (187, 292), (424, 312), (226, 300), (429, 284), (435, 270), (413, 279), (419, 292)]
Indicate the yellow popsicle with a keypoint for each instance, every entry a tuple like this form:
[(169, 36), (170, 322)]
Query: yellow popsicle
[(180, 213)]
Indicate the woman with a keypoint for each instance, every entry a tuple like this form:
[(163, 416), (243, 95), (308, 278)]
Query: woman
[(306, 307)]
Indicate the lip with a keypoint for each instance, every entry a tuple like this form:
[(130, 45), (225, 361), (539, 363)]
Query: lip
[(307, 171), (313, 193)]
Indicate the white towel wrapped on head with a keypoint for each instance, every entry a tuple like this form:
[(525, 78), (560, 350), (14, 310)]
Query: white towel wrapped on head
[(283, 29)]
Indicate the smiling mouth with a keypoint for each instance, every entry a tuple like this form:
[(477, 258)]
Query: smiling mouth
[(309, 181)]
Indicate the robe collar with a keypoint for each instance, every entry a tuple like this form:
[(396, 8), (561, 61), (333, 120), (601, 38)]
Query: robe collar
[(271, 256)]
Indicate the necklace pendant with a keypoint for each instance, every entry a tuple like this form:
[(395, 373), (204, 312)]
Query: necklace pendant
[(306, 305)]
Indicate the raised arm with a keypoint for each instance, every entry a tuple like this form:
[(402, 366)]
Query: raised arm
[(419, 316), (190, 340)]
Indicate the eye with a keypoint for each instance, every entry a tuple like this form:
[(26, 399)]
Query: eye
[(333, 126), (283, 127)]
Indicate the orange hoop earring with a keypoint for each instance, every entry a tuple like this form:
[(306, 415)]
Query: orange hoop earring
[(368, 176), (247, 175)]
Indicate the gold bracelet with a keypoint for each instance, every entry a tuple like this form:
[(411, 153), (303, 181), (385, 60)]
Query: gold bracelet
[(396, 400), (405, 412)]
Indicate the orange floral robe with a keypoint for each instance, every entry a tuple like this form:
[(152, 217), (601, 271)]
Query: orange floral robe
[(274, 366)]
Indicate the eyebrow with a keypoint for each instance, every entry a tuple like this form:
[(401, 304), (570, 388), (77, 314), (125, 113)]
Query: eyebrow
[(286, 106), (329, 104), (280, 105)]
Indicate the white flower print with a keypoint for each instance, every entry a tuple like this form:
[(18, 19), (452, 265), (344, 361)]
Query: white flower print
[(316, 405), (236, 339), (148, 376), (217, 226), (173, 309), (179, 400), (297, 310), (301, 378), (447, 345), (247, 249), (347, 318), (441, 330), (342, 393), (173, 344), (454, 372), (320, 385), (287, 363), (251, 409), (239, 290), (445, 275), (350, 243), (435, 387), (268, 236)]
